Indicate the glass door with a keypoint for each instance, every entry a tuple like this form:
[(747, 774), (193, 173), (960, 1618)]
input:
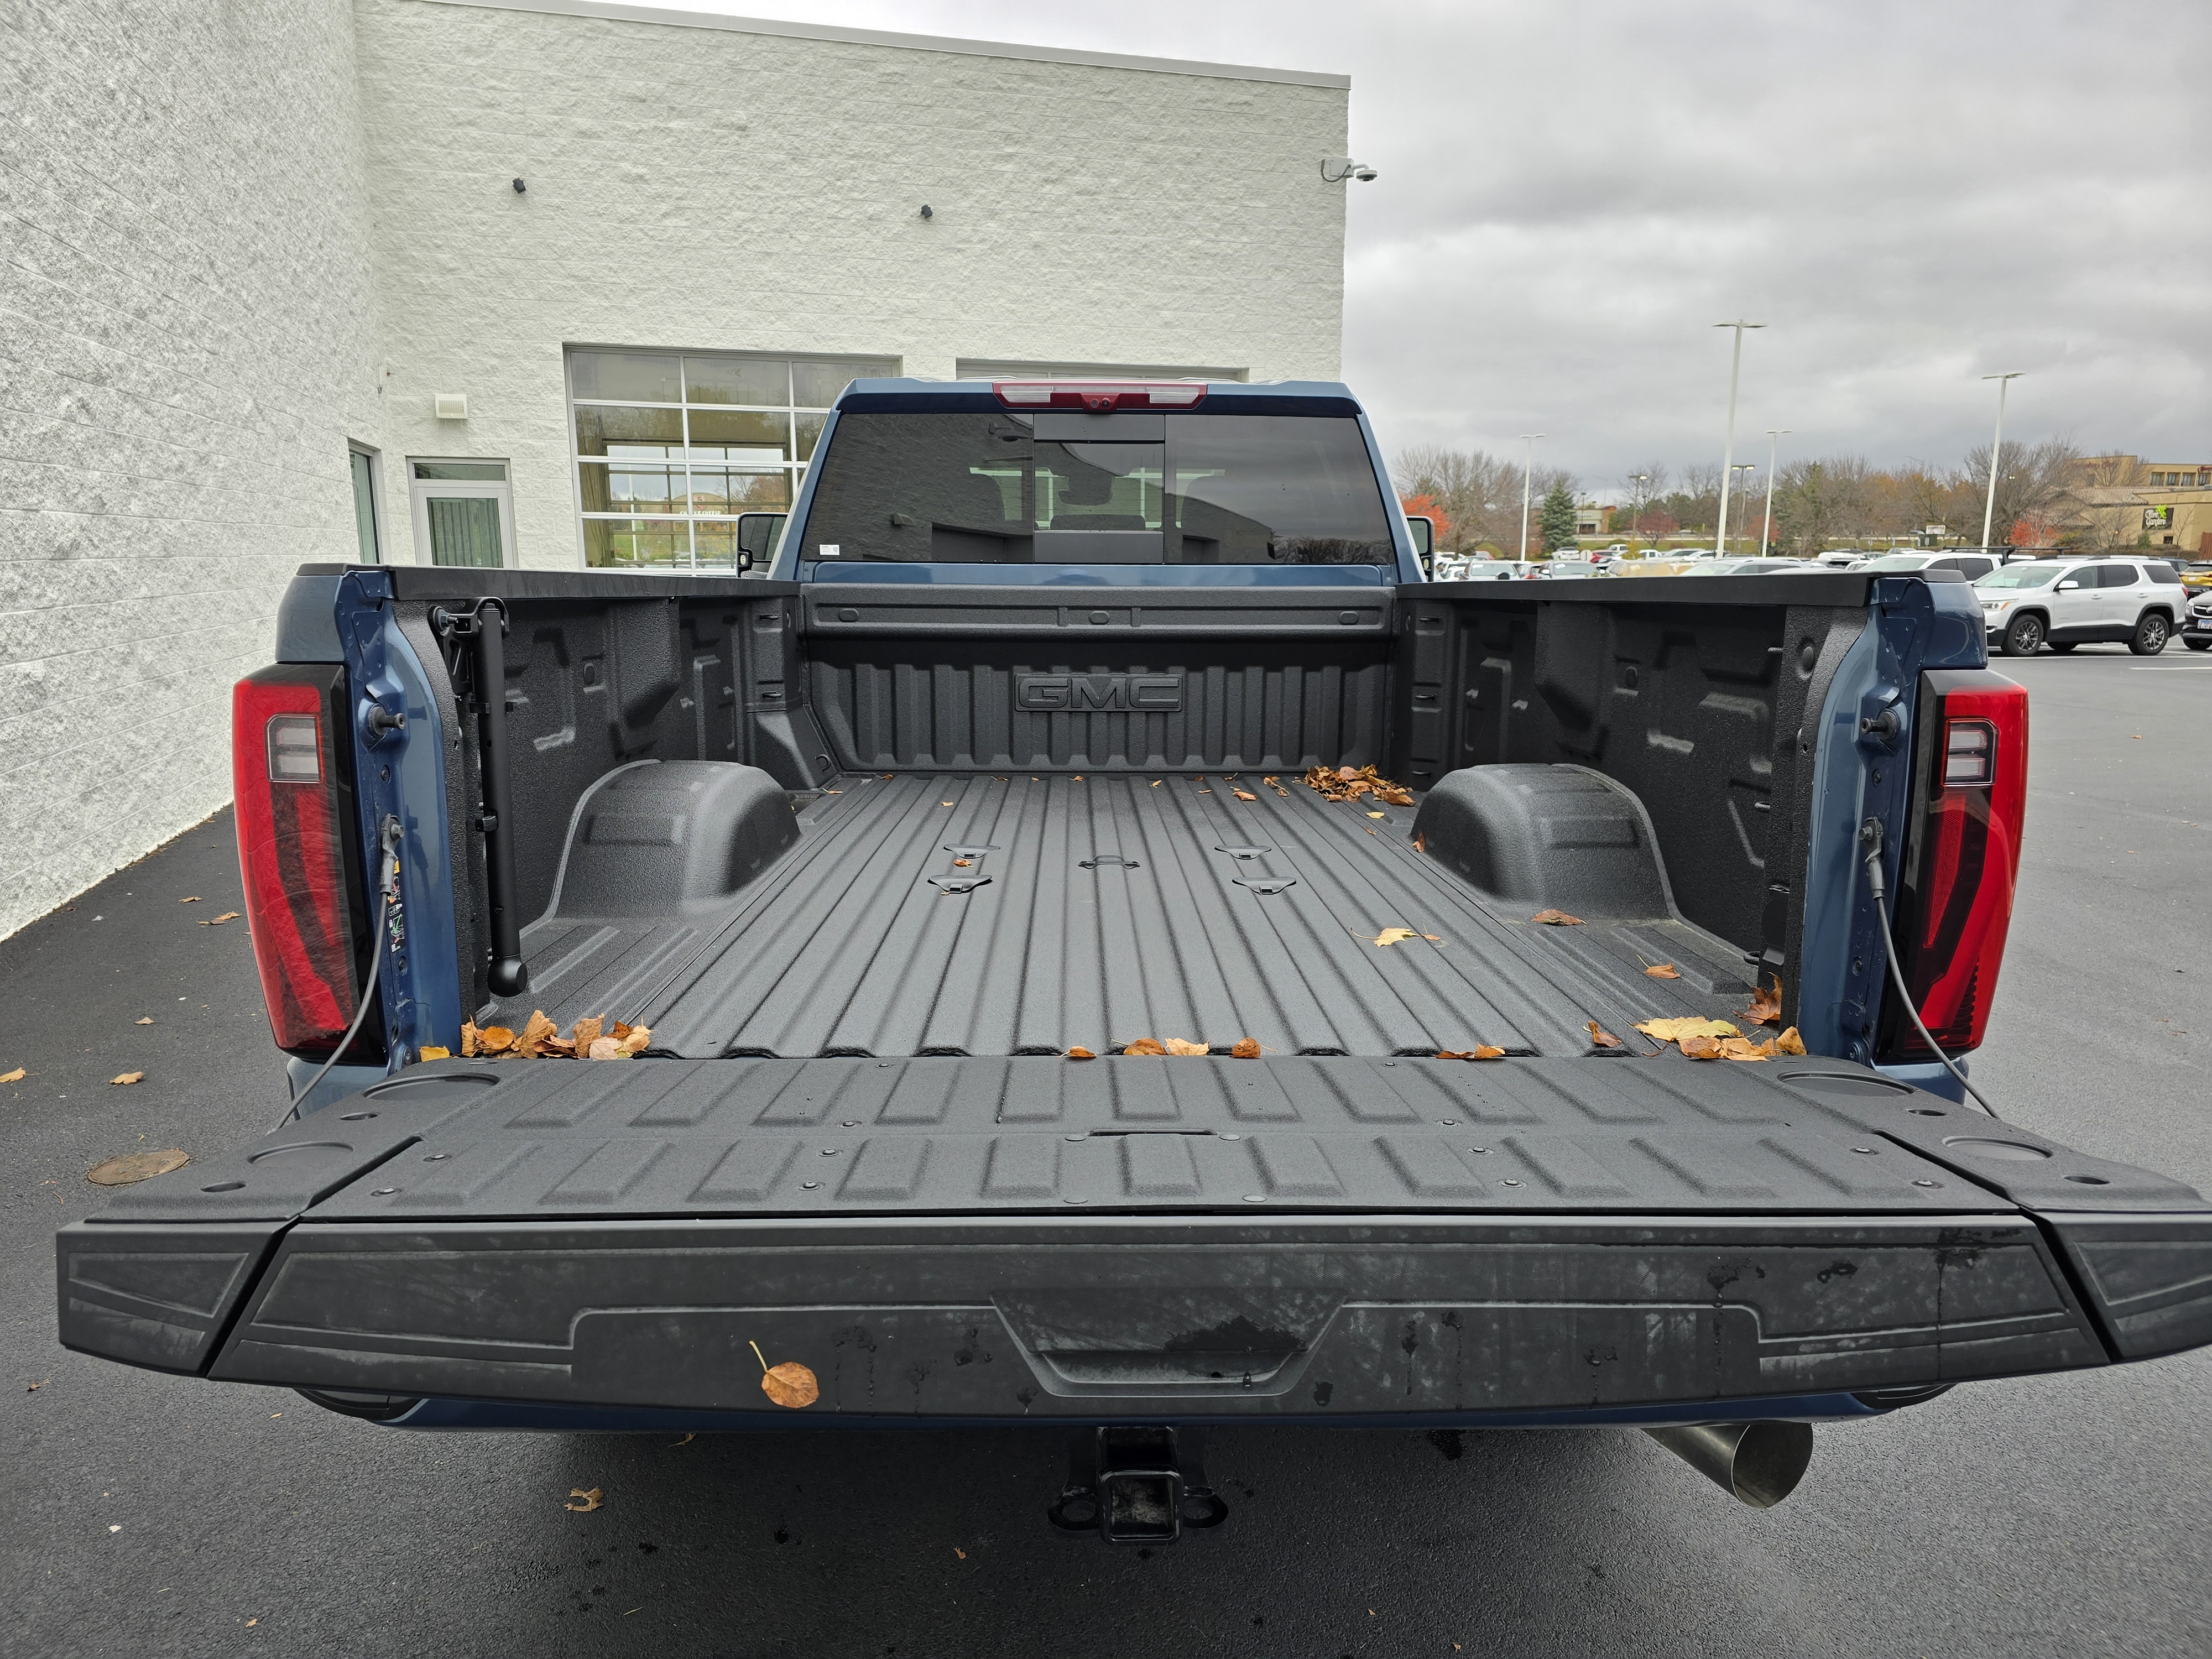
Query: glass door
[(464, 513)]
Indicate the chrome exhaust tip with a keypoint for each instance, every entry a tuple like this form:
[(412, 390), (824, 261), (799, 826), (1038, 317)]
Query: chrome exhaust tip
[(1760, 1463)]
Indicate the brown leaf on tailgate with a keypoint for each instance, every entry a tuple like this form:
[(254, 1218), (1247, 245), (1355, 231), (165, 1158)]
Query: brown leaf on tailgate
[(636, 1041), (605, 1048), (591, 1500), (961, 864), (468, 1040), (618, 1030), (586, 1032), (558, 1045), (1243, 794), (1765, 1006), (127, 1078), (536, 1031), (1080, 1053), (432, 1051), (1269, 777), (790, 1384), (1703, 1047), (1601, 1037), (15, 1076), (1244, 1048), (1392, 935), (495, 1040), (1179, 1046), (1674, 1030), (1745, 1049), (1661, 971), (1789, 1042), (1480, 1051), (1557, 918), (1143, 1046)]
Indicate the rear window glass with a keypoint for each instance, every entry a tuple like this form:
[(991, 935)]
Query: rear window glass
[(2164, 572), (2115, 575), (2020, 575), (1200, 490)]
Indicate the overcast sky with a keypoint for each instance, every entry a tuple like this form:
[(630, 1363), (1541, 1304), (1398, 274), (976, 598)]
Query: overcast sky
[(1909, 195)]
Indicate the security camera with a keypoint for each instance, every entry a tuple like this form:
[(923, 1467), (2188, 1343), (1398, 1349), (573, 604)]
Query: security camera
[(1335, 169), (1365, 175)]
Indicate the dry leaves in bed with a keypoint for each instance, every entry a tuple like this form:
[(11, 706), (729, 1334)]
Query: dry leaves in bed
[(790, 1384), (1765, 1006), (1600, 1036), (1661, 971), (590, 1038), (1480, 1051), (1243, 1049), (1356, 783), (1716, 1039), (1556, 918)]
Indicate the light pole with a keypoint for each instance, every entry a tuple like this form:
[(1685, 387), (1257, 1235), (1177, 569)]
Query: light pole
[(1528, 474), (1744, 469), (1989, 507), (1642, 481), (1728, 448), (1766, 518)]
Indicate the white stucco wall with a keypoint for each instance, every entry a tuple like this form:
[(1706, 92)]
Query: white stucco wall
[(185, 346), (716, 189)]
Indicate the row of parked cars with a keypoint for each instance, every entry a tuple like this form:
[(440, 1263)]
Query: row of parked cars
[(2141, 601)]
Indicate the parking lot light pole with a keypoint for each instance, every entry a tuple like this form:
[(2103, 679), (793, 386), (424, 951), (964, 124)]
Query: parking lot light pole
[(1727, 447), (1743, 471), (1642, 481), (1527, 473), (1766, 518), (1989, 507)]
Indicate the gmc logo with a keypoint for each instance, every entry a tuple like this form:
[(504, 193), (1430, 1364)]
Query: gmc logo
[(1083, 694)]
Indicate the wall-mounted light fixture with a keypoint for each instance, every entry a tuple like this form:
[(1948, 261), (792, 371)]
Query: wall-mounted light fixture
[(452, 406), (928, 212), (1335, 169)]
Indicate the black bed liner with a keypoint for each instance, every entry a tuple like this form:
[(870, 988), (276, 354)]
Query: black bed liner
[(846, 948)]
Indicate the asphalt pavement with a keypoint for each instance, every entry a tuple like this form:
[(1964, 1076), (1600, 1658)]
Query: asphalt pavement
[(2065, 1516)]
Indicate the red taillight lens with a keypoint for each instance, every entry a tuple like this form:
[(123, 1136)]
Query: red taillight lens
[(1956, 902), (296, 851), (1099, 396)]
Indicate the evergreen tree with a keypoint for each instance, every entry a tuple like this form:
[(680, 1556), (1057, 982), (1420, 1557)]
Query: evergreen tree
[(1556, 521)]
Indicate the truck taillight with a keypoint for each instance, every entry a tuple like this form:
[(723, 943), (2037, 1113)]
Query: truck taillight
[(296, 851), (1954, 903), (1099, 396)]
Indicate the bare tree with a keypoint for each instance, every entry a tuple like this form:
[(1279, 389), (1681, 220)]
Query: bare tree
[(2041, 487), (1471, 485)]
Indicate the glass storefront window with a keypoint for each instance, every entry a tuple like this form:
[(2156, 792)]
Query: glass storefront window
[(671, 447)]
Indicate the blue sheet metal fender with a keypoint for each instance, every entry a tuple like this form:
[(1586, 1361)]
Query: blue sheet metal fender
[(402, 772)]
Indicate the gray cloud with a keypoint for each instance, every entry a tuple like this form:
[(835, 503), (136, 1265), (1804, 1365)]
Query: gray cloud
[(1910, 195)]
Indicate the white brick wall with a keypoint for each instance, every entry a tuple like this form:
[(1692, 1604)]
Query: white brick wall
[(185, 345), (708, 188), (234, 235)]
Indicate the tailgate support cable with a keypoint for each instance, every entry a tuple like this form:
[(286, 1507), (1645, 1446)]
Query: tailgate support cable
[(387, 891), (1871, 834), (507, 975)]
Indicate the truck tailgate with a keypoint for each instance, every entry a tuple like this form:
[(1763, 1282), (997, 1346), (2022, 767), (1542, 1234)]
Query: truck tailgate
[(1031, 1236)]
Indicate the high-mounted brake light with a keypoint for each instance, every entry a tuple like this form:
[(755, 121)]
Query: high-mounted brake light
[(1099, 397), (1954, 906), (297, 852)]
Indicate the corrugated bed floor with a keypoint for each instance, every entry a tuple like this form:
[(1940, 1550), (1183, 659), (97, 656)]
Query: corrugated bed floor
[(1110, 909)]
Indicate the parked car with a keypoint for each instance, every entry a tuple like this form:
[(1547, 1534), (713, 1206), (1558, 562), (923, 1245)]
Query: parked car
[(1972, 565), (2196, 627), (759, 1003), (1838, 558), (1747, 567), (2197, 575), (2064, 603)]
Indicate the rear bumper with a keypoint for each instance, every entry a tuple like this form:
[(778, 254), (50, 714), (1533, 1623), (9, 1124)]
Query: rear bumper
[(1361, 1319)]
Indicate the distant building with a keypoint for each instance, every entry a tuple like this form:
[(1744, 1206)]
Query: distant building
[(2126, 501), (1591, 520)]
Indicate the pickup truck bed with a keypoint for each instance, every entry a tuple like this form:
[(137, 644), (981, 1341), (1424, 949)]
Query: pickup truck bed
[(1112, 911)]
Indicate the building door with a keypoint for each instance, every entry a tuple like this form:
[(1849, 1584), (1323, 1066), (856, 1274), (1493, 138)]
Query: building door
[(368, 521), (464, 513)]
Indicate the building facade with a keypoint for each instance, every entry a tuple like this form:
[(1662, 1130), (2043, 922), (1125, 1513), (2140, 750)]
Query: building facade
[(545, 283)]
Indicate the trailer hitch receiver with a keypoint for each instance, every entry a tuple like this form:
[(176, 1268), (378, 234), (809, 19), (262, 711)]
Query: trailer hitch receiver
[(1137, 1486)]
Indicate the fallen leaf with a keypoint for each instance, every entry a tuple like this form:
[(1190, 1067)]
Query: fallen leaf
[(1601, 1037), (1375, 815), (1480, 1051), (1745, 1049), (1269, 777), (1243, 794), (944, 803), (561, 1046), (1244, 1048), (1702, 1047), (605, 1048), (1557, 918), (1391, 935), (1661, 971), (787, 1384), (1080, 1053), (1434, 939), (1765, 1006), (35, 1387), (148, 1020), (1143, 1046), (537, 1031), (495, 1040), (1347, 783), (217, 922), (15, 1076), (962, 1553), (1789, 1042), (1178, 1046), (468, 1040), (1157, 782), (134, 1167), (126, 1078), (639, 1039), (1674, 1030), (586, 1032), (618, 1030), (961, 864), (591, 1500), (1420, 843), (431, 1051), (194, 899)]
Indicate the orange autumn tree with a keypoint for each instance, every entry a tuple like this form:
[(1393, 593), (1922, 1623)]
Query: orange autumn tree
[(1426, 506)]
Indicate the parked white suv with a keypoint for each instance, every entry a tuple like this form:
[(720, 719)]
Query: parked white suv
[(2139, 603)]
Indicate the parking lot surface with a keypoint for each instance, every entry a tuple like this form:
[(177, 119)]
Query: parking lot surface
[(2064, 1515)]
